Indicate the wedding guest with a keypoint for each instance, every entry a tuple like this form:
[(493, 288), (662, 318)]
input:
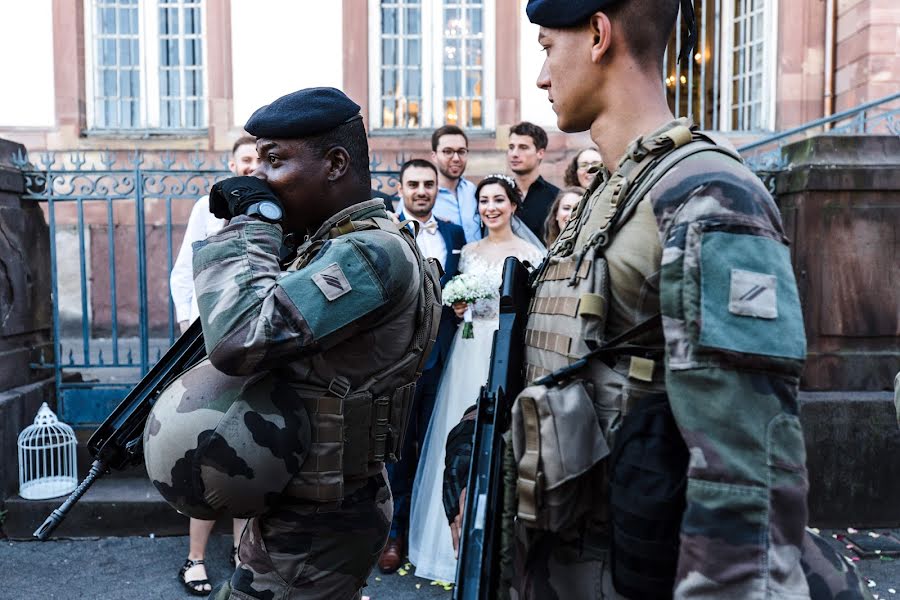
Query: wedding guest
[(442, 241), (559, 214), (456, 194), (581, 170), (527, 144), (202, 224)]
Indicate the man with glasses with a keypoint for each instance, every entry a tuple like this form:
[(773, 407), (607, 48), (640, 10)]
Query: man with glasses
[(456, 195)]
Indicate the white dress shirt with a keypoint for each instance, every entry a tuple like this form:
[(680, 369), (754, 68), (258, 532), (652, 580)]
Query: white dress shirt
[(201, 224), (431, 242)]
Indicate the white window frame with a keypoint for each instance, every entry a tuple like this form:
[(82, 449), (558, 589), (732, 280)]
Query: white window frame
[(769, 68), (149, 71), (432, 111)]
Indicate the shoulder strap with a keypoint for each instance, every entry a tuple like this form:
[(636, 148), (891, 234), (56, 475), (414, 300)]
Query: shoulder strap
[(642, 175)]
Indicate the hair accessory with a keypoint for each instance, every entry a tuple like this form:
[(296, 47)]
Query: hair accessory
[(506, 178)]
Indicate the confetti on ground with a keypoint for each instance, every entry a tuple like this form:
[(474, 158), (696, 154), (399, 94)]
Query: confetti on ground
[(851, 530), (418, 586), (378, 579), (892, 590), (871, 583), (444, 584), (402, 572), (815, 530), (872, 534)]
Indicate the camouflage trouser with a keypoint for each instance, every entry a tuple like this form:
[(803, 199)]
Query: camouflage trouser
[(555, 570), (294, 552)]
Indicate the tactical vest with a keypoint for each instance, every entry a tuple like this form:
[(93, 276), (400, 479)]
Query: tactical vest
[(562, 480), (354, 431)]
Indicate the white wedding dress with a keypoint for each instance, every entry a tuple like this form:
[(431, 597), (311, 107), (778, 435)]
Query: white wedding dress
[(466, 370)]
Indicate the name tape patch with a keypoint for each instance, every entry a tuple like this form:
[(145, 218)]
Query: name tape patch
[(332, 282), (753, 294)]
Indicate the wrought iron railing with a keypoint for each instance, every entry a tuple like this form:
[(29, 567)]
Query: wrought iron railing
[(882, 116), (116, 220)]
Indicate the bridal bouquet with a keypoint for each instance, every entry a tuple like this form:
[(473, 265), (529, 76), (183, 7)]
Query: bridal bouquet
[(468, 287)]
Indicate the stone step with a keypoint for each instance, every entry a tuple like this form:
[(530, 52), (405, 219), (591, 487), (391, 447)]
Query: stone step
[(114, 506)]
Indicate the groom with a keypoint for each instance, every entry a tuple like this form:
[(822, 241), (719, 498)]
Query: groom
[(443, 241)]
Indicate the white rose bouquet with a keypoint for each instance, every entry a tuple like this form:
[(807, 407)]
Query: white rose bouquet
[(468, 288)]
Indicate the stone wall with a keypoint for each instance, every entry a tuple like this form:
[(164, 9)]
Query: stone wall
[(841, 203), (867, 37), (840, 198), (25, 314)]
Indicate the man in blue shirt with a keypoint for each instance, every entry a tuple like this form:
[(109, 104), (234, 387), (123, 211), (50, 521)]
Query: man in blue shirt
[(456, 200)]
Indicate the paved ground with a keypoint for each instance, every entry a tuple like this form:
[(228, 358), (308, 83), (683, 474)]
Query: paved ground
[(139, 568), (146, 568)]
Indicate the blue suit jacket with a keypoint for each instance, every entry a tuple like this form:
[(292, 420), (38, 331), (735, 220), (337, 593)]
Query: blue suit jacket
[(454, 240)]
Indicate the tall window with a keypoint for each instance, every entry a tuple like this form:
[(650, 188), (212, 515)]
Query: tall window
[(145, 65), (748, 62), (427, 63)]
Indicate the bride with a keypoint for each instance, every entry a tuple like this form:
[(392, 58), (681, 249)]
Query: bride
[(466, 370)]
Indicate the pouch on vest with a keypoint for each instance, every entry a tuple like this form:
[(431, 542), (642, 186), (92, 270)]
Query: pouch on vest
[(556, 442), (648, 479)]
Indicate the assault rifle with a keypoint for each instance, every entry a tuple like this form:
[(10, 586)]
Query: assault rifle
[(478, 569), (118, 442)]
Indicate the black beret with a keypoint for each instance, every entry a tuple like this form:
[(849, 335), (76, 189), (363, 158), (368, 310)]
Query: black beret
[(303, 113), (564, 13)]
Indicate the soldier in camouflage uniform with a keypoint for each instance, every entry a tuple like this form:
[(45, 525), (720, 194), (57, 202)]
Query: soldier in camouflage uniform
[(674, 224), (324, 354)]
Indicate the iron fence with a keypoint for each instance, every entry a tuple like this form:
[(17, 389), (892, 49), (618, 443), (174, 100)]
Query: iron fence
[(116, 220)]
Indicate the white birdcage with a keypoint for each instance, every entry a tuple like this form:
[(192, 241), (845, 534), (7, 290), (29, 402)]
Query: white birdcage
[(46, 457)]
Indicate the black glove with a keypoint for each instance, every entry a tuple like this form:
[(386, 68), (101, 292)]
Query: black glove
[(457, 461), (231, 197)]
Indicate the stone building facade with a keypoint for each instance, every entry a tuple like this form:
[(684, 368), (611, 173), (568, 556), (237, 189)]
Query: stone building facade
[(767, 65)]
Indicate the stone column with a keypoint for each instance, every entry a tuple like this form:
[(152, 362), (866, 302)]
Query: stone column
[(867, 37), (840, 197), (25, 314)]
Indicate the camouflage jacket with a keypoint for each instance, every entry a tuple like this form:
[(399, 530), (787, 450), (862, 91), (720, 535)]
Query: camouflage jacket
[(349, 311), (705, 247), (735, 346)]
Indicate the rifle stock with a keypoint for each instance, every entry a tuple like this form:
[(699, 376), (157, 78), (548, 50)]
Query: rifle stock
[(477, 571), (118, 441)]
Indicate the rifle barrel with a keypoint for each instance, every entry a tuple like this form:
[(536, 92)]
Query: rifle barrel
[(98, 469)]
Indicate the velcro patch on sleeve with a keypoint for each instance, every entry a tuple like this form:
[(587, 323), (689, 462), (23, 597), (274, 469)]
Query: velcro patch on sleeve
[(332, 282), (335, 290), (748, 296), (753, 294)]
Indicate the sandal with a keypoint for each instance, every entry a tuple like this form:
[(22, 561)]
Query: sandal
[(195, 586)]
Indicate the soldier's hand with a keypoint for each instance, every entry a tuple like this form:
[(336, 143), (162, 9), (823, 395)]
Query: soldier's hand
[(231, 197), (456, 525)]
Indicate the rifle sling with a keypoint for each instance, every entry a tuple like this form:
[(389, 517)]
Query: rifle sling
[(610, 351)]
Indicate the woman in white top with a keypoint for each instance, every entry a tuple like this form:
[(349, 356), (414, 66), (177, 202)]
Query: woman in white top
[(202, 224), (466, 370)]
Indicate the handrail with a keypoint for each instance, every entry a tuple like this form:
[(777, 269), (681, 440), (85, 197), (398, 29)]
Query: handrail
[(819, 122)]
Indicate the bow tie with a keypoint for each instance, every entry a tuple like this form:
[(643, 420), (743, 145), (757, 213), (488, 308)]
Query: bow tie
[(430, 227)]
